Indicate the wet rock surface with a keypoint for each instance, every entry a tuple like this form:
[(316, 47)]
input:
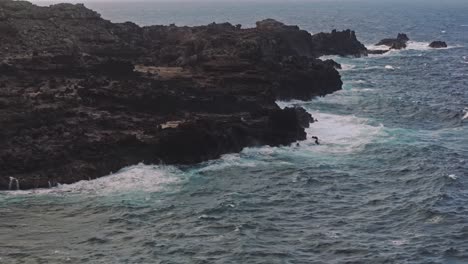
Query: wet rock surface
[(395, 43), (438, 44), (81, 97)]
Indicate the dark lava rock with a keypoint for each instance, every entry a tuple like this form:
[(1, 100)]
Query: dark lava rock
[(342, 43), (377, 52), (403, 37), (438, 44), (396, 43), (333, 63), (81, 97)]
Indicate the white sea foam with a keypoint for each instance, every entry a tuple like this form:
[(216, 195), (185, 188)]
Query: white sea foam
[(329, 57), (347, 67), (411, 45), (333, 234), (358, 82), (230, 160), (372, 67), (453, 176), (465, 113), (337, 133), (387, 67), (341, 133), (375, 47), (361, 90), (284, 104), (436, 219), (399, 242), (418, 45), (140, 178), (465, 60)]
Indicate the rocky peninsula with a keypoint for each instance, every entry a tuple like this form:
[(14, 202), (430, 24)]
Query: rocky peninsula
[(81, 97)]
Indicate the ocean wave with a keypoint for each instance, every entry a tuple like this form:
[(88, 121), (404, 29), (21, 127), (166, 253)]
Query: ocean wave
[(465, 59), (231, 160), (341, 133), (375, 47), (423, 46), (418, 45), (357, 82), (361, 90), (329, 57), (372, 68), (347, 67), (137, 178), (465, 113), (337, 133), (411, 45)]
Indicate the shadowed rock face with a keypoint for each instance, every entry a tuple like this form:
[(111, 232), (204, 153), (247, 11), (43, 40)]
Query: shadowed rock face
[(438, 44), (81, 97)]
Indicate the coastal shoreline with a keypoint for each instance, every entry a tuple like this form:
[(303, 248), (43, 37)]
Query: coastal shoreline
[(82, 97)]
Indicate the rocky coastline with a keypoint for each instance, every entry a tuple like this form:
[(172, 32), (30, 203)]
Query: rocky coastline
[(81, 97)]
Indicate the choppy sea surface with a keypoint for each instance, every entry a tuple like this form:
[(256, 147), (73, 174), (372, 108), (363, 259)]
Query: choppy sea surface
[(388, 184)]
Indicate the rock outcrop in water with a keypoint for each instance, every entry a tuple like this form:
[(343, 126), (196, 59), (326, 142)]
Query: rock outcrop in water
[(438, 44), (395, 43), (81, 97), (342, 43)]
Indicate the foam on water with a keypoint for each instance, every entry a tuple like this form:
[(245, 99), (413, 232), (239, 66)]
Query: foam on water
[(411, 46), (452, 176), (424, 46), (418, 45), (464, 60), (375, 47), (329, 57), (357, 82), (341, 133), (347, 67), (137, 178), (465, 112), (360, 90), (372, 68), (229, 160), (337, 133)]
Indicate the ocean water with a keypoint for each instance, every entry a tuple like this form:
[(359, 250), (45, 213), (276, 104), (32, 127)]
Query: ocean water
[(388, 184)]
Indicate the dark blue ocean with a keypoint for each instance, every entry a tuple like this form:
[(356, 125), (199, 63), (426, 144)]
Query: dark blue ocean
[(389, 184)]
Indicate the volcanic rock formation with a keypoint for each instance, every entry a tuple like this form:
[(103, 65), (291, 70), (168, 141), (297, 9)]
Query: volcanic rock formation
[(438, 44), (397, 43), (81, 97)]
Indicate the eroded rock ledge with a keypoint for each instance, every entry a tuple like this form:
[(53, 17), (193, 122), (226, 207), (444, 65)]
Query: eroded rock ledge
[(81, 97)]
